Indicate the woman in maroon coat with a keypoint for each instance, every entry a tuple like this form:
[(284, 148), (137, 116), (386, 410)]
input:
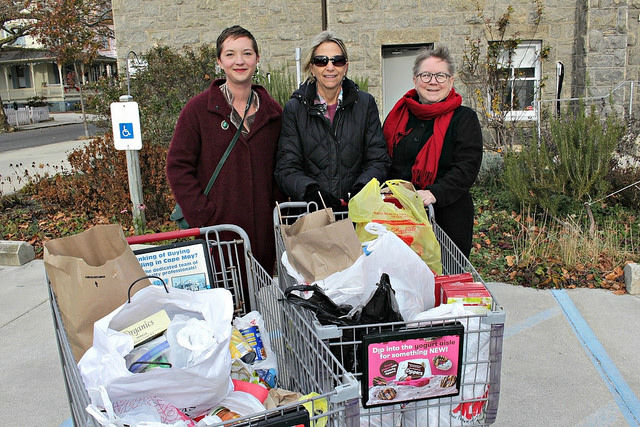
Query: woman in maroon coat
[(243, 193)]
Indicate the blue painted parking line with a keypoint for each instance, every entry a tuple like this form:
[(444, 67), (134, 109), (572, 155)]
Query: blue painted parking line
[(623, 395), (511, 330), (606, 416)]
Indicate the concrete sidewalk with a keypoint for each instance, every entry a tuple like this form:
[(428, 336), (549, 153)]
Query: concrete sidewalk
[(56, 119), (570, 358)]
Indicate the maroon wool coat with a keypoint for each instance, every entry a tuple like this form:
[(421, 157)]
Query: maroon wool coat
[(243, 193)]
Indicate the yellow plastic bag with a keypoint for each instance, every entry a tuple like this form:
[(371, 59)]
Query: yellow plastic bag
[(409, 222)]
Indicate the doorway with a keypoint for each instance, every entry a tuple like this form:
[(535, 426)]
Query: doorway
[(397, 79)]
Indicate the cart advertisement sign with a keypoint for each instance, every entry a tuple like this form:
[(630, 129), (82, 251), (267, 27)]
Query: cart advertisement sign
[(183, 265), (418, 364)]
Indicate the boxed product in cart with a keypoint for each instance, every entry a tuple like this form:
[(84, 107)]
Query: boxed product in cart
[(449, 278), (473, 295)]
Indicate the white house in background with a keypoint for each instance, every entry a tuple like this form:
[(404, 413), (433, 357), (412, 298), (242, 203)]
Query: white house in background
[(28, 71)]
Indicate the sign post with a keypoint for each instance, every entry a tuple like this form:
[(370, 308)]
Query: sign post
[(125, 122)]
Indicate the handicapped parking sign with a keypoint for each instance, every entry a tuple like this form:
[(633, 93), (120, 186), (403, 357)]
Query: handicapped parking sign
[(126, 130), (125, 121)]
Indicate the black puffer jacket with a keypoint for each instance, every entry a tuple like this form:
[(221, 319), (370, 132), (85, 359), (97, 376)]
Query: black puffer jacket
[(337, 157)]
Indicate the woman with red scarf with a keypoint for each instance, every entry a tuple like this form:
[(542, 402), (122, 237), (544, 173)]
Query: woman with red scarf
[(436, 143)]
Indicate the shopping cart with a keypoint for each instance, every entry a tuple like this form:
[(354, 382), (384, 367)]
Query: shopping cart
[(305, 363), (480, 382)]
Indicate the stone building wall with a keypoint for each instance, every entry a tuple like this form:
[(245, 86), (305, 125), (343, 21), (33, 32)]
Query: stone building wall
[(597, 40), (612, 51), (278, 25), (367, 26)]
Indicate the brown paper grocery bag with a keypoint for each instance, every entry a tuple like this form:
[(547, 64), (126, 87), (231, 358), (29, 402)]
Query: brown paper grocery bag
[(318, 246), (90, 274)]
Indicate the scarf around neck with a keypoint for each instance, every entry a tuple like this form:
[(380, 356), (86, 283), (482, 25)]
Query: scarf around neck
[(425, 167)]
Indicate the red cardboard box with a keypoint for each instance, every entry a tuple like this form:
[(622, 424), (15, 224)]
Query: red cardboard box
[(473, 295), (450, 278)]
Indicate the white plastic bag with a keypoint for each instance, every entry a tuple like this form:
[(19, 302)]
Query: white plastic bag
[(476, 348), (143, 411), (346, 287), (385, 416), (193, 389), (237, 402), (189, 341), (410, 277)]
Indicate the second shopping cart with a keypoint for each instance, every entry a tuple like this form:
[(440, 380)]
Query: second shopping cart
[(480, 335)]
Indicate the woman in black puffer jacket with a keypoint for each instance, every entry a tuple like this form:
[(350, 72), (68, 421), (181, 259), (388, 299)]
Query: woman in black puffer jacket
[(331, 142)]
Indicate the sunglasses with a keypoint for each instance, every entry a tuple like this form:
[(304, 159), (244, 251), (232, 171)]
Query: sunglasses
[(323, 60)]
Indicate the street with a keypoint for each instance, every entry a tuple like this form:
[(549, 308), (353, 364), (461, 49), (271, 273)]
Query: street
[(41, 149), (43, 136)]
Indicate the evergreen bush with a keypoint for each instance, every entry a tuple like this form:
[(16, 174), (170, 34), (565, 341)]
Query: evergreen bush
[(568, 164), (279, 83)]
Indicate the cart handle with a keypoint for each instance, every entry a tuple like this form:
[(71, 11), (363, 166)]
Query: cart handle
[(167, 235), (278, 220), (191, 232)]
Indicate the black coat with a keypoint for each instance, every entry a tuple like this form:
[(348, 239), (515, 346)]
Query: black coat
[(458, 168), (336, 156)]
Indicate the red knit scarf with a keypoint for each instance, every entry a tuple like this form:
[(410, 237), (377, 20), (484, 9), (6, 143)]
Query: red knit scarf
[(424, 169)]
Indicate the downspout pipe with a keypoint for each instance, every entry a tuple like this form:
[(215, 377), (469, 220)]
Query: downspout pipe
[(559, 79), (324, 15)]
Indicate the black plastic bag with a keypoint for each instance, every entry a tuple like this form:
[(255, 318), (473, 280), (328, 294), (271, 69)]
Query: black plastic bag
[(327, 312), (382, 307)]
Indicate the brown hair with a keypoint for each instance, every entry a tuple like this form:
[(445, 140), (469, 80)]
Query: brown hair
[(235, 32)]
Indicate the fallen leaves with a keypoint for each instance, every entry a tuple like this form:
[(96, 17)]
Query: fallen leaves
[(615, 274)]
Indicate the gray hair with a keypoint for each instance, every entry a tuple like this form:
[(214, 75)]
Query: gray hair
[(440, 52), (325, 36)]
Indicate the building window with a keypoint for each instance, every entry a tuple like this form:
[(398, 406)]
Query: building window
[(522, 71), (20, 41), (20, 76), (54, 77)]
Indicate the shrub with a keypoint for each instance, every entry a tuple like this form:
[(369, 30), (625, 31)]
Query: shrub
[(98, 184), (161, 88), (37, 101), (568, 164), (624, 173), (279, 83)]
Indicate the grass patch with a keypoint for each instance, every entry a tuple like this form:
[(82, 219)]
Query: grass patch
[(535, 249)]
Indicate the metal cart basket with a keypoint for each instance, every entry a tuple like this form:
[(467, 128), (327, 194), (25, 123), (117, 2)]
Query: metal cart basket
[(480, 381), (299, 369)]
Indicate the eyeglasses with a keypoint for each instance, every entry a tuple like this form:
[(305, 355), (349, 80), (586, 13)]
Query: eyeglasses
[(427, 76), (323, 60)]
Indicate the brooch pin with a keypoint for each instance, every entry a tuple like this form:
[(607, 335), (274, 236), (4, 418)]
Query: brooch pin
[(224, 125)]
